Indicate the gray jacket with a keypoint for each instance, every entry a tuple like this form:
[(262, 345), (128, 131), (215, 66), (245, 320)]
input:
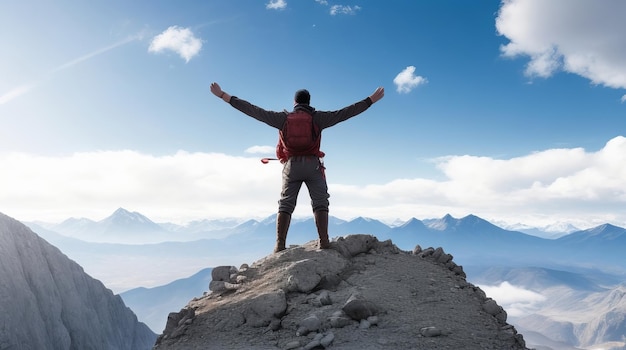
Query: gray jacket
[(323, 119)]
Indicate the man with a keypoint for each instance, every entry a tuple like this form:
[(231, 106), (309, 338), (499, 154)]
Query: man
[(301, 166)]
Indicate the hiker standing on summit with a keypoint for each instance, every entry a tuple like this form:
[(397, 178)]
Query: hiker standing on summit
[(300, 133)]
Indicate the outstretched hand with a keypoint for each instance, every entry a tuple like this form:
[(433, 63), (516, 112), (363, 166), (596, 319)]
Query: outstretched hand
[(378, 94), (216, 90)]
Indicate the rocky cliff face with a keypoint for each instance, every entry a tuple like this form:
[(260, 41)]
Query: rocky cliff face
[(47, 301), (361, 294)]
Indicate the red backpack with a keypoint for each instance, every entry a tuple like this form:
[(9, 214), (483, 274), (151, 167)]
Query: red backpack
[(299, 137)]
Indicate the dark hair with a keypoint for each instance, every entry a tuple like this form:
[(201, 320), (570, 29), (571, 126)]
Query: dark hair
[(303, 97)]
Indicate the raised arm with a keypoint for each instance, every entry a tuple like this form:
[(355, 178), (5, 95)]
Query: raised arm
[(271, 118), (328, 119)]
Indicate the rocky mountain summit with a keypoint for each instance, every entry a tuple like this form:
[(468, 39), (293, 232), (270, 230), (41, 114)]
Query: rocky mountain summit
[(361, 294), (47, 301)]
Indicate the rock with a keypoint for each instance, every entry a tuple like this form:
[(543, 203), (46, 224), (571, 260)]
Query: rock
[(359, 309), (308, 325), (292, 345), (330, 282), (417, 249), (274, 324), (340, 321), (327, 339), (175, 325), (312, 344), (223, 273), (457, 269), (491, 307), (373, 320), (324, 298), (426, 252), (437, 253), (430, 331), (240, 279), (444, 258), (302, 277), (480, 293), (224, 279), (305, 275), (265, 308), (355, 244), (221, 286)]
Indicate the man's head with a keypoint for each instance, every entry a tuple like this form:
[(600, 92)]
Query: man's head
[(302, 97)]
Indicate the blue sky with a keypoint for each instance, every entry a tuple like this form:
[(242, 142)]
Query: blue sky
[(510, 110)]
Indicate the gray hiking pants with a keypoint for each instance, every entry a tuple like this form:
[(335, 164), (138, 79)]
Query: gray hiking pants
[(307, 169)]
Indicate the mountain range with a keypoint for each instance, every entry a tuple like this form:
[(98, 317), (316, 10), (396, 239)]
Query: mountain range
[(233, 242), (585, 265), (124, 226)]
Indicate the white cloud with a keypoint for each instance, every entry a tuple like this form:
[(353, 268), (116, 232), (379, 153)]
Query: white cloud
[(344, 10), (334, 9), (576, 186), (179, 40), (557, 185), (577, 36), (180, 186), (517, 301), (261, 150), (276, 5), (407, 80), (623, 99)]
